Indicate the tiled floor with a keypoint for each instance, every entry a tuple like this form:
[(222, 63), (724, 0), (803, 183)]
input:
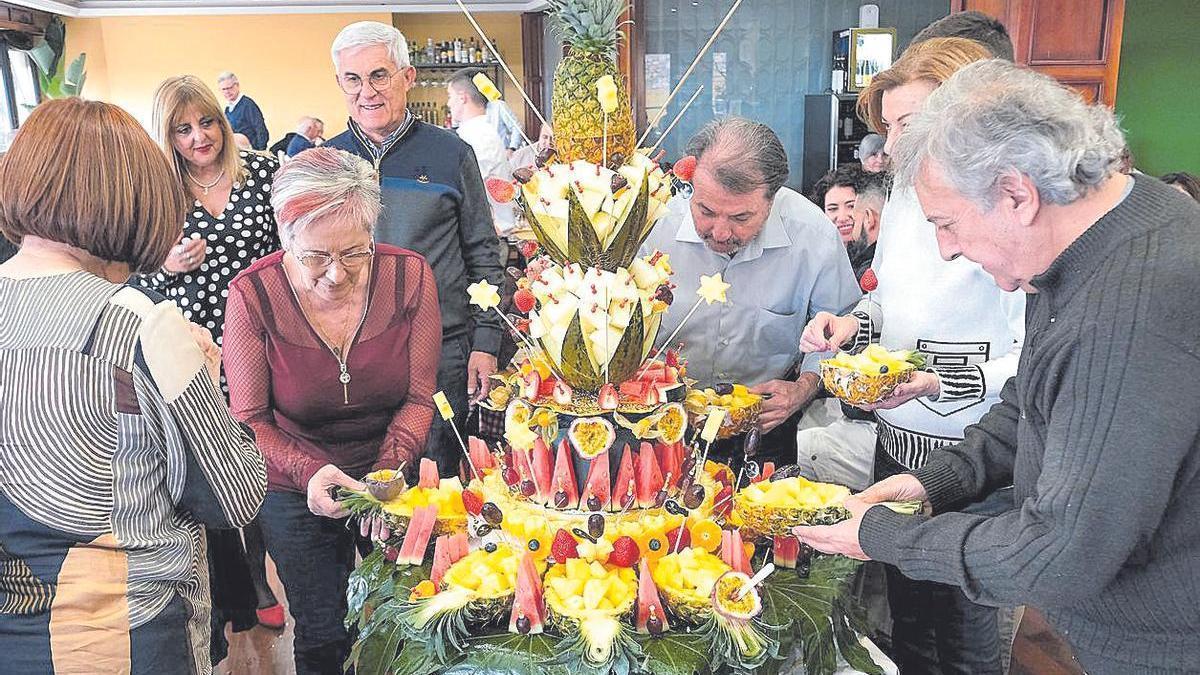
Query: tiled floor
[(260, 651)]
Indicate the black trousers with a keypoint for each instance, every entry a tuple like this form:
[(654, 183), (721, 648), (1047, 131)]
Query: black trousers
[(441, 445), (314, 557), (935, 628)]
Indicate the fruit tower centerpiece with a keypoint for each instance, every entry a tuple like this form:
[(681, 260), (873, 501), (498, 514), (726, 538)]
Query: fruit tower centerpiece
[(597, 537)]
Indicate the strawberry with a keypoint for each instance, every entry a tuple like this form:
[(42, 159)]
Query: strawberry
[(564, 547), (679, 533), (528, 248), (625, 552), (472, 502), (869, 281), (501, 191), (391, 553), (607, 398), (685, 168), (524, 300)]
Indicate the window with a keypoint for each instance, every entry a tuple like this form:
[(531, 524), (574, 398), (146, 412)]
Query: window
[(19, 90)]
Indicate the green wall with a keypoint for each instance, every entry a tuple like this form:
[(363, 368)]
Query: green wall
[(1158, 89)]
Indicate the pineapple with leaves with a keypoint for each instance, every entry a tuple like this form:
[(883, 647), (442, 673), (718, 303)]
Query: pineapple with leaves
[(591, 31)]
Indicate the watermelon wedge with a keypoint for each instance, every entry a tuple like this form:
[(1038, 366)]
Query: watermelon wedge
[(596, 491), (429, 477), (416, 539), (670, 461), (529, 609), (441, 559), (624, 491), (651, 619), (481, 457), (565, 494), (786, 550), (649, 477), (733, 553), (542, 469)]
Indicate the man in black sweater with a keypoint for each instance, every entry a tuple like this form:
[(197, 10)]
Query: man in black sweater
[(1098, 432)]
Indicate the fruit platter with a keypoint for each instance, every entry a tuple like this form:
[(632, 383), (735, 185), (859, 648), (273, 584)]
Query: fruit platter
[(595, 535), (869, 376)]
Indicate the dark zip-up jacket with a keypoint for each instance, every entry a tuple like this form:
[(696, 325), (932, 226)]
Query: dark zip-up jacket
[(434, 203)]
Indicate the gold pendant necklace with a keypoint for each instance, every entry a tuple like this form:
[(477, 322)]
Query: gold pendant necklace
[(202, 186)]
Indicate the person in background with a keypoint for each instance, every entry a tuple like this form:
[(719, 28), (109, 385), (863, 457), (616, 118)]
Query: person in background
[(1098, 431), (331, 351), (116, 445), (836, 441), (1184, 182), (526, 156), (434, 203), (784, 261), (970, 332), (228, 224), (467, 108), (244, 114), (310, 132), (970, 25), (836, 193), (505, 124), (871, 154)]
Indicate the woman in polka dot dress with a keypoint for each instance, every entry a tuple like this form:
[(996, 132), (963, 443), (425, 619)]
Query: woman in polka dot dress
[(229, 225)]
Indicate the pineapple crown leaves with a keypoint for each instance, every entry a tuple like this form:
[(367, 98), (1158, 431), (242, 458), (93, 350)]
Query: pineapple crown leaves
[(622, 658), (744, 646), (439, 621), (589, 25)]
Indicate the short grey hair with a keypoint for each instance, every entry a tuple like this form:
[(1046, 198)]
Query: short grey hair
[(370, 33), (752, 155), (993, 118), (871, 144), (324, 182), (226, 76)]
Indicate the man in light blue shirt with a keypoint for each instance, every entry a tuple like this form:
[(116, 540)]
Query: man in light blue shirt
[(776, 249)]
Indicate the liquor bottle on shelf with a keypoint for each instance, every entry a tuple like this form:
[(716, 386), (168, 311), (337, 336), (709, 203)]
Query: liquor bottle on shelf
[(428, 50)]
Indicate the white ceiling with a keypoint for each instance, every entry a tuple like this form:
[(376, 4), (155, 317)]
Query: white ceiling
[(92, 8)]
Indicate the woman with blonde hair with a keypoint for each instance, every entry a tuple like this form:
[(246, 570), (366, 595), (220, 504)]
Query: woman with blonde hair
[(970, 332), (116, 443), (228, 225)]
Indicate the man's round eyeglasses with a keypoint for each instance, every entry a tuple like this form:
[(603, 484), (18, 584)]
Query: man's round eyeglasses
[(352, 84), (317, 260)]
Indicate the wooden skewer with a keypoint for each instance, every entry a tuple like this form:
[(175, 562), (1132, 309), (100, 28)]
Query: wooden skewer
[(675, 121), (496, 55), (688, 72)]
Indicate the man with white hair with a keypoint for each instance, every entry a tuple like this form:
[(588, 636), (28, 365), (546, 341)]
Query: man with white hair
[(242, 112), (434, 204), (1097, 432)]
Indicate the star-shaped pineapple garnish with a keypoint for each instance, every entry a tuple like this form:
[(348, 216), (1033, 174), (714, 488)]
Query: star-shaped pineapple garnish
[(484, 295), (712, 288)]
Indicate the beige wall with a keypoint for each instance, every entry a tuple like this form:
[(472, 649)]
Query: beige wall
[(282, 60)]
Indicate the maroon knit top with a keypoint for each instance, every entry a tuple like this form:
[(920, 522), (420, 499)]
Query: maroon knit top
[(283, 380)]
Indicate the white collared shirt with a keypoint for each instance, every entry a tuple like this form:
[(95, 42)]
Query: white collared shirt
[(233, 104), (493, 163), (795, 267)]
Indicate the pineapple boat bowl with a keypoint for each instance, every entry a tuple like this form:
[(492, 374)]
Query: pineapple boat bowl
[(870, 376), (387, 495), (772, 508)]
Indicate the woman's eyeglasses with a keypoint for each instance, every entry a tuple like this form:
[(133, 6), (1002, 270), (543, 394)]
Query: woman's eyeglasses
[(319, 260)]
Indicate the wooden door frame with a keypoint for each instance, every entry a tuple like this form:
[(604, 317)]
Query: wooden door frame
[(533, 30)]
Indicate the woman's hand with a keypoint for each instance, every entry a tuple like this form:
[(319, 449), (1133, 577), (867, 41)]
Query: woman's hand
[(186, 256), (920, 384), (320, 501), (827, 332), (212, 353)]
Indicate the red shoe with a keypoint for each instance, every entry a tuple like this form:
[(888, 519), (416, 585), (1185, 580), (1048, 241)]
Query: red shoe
[(271, 617)]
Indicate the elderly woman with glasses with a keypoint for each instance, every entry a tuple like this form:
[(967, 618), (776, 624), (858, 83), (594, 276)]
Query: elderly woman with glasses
[(331, 352)]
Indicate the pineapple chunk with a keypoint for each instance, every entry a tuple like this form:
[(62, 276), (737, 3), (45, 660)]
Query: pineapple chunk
[(597, 570), (593, 593)]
